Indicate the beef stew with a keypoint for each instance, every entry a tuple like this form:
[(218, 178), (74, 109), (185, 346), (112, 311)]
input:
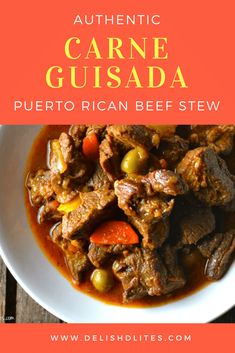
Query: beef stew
[(134, 214)]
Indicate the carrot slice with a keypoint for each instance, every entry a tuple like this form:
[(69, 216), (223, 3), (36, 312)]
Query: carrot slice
[(114, 232), (90, 147)]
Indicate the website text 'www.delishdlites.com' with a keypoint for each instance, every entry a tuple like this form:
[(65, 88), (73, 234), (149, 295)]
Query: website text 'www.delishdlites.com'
[(158, 338)]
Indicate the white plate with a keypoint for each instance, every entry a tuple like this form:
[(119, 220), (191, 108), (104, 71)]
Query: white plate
[(48, 287)]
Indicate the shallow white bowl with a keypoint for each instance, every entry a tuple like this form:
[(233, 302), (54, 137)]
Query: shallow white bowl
[(48, 287)]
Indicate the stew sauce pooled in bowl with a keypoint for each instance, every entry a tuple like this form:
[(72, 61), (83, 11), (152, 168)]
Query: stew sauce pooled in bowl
[(134, 214)]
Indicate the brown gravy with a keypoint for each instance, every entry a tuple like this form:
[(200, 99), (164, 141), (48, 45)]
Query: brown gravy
[(193, 263)]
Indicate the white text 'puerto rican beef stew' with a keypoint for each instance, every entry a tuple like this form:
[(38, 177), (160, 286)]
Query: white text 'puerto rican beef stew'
[(135, 214)]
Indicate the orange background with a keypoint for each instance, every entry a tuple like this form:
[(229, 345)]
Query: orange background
[(35, 338), (200, 40)]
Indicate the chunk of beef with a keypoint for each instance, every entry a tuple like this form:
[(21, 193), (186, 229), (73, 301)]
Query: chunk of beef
[(77, 132), (196, 224), (145, 213), (145, 200), (220, 260), (110, 158), (129, 191), (207, 176), (209, 244), (69, 168), (172, 150), (175, 275), (67, 185), (60, 153), (99, 179), (142, 272), (95, 207), (154, 232), (63, 188), (134, 135), (67, 147), (80, 170), (48, 211), (217, 137), (99, 254), (75, 253), (136, 198), (164, 181), (40, 187), (138, 193), (77, 263)]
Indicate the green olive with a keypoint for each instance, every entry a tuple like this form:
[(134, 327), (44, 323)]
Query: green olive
[(135, 161), (102, 280)]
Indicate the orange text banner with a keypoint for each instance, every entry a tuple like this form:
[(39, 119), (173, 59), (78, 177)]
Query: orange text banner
[(161, 338), (117, 62)]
